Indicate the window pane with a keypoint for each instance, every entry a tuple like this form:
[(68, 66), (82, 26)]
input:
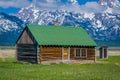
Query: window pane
[(83, 52), (77, 52)]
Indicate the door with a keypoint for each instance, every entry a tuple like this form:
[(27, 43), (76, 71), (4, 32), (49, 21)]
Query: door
[(65, 54), (105, 53)]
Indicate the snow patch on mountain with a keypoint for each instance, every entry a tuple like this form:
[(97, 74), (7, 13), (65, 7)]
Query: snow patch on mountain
[(8, 23), (108, 10), (89, 15), (10, 29)]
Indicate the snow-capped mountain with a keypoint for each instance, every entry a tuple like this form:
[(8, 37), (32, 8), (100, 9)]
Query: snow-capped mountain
[(101, 26), (10, 28)]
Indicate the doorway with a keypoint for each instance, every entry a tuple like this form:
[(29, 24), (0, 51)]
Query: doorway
[(65, 54)]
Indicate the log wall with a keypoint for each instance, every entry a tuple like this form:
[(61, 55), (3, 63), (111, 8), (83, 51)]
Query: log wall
[(55, 53), (90, 54), (50, 53), (26, 48), (72, 53), (26, 52)]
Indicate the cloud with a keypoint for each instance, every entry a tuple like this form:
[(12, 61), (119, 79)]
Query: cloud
[(69, 6), (48, 4), (92, 7), (73, 5), (14, 3)]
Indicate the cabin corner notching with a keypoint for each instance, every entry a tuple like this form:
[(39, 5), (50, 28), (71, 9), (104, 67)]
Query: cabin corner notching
[(39, 44)]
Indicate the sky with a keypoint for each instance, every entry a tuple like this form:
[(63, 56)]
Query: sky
[(13, 6)]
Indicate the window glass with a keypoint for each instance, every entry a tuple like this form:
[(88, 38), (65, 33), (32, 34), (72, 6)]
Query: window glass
[(83, 52), (77, 52)]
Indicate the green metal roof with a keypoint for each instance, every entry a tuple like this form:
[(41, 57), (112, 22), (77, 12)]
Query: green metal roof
[(61, 36)]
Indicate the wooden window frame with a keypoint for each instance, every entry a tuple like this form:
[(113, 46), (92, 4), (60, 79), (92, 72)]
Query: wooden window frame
[(76, 53), (80, 53), (86, 52)]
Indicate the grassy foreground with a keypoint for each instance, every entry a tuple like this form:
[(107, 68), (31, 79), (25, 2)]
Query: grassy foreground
[(107, 69)]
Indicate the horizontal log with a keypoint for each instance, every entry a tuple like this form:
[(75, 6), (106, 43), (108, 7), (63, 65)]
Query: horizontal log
[(52, 47), (80, 58), (52, 54), (30, 57), (50, 58), (26, 47), (50, 50), (28, 60), (91, 58), (26, 52), (90, 53), (31, 52)]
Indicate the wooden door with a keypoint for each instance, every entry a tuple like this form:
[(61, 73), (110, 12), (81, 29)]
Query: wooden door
[(65, 53)]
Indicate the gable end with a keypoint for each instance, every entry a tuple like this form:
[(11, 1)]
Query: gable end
[(26, 37)]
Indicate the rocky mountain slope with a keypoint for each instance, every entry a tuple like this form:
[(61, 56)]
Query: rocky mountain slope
[(10, 28)]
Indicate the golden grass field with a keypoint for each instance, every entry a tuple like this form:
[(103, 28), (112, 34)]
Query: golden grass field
[(10, 52), (110, 52), (7, 53)]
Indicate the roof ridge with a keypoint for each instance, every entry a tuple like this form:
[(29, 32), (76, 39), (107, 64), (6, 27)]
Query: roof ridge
[(53, 26)]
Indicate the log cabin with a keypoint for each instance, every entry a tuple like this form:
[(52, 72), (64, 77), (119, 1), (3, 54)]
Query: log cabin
[(40, 44)]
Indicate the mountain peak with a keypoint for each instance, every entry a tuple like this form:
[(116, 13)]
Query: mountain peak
[(110, 3)]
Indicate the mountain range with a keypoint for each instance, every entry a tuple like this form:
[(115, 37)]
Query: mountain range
[(103, 27), (10, 28)]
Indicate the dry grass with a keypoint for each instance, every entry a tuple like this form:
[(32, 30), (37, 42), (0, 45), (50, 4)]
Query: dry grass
[(114, 52), (110, 52), (7, 53)]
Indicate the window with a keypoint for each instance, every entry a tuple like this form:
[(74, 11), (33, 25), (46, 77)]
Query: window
[(83, 52), (78, 52)]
